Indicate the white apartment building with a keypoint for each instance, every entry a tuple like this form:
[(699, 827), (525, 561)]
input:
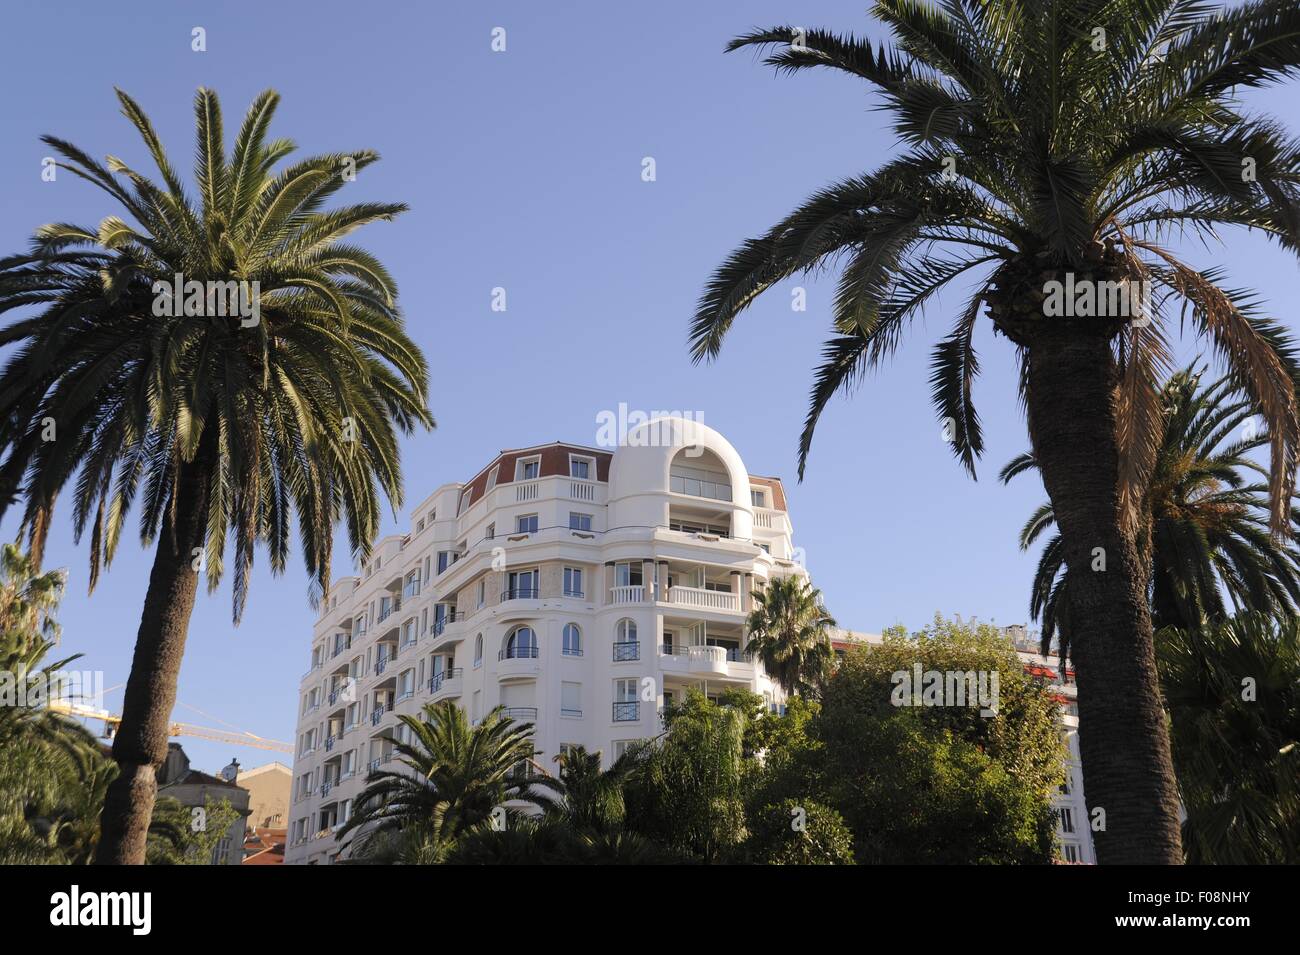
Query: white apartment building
[(581, 588)]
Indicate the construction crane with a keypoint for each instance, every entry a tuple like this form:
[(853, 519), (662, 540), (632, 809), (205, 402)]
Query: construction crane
[(111, 720)]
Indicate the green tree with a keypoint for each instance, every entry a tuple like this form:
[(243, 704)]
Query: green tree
[(584, 796), (799, 832), (1233, 694), (49, 762), (789, 631), (230, 425), (1205, 514), (1048, 144), (940, 783), (686, 794), (454, 776)]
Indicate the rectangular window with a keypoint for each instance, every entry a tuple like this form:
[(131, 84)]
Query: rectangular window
[(521, 585), (491, 531), (579, 522), (527, 469), (492, 476), (570, 699), (482, 592), (625, 690), (465, 496), (1070, 852), (444, 560), (1067, 820), (573, 582), (526, 524), (580, 468), (757, 497), (627, 575)]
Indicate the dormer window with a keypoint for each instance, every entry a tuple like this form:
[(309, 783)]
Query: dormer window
[(582, 468), (758, 497), (528, 469)]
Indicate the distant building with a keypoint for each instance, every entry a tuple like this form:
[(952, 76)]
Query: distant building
[(1072, 812), (268, 795), (193, 788)]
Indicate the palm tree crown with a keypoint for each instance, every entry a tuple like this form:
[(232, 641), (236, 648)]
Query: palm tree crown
[(1206, 519), (298, 411), (789, 631), (454, 775), (1043, 139)]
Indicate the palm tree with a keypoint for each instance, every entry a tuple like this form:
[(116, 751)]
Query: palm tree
[(1207, 523), (232, 427), (1054, 146), (789, 631), (454, 776), (585, 797), (1233, 692), (48, 760)]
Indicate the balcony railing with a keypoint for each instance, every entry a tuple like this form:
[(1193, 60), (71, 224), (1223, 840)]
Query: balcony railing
[(519, 593), (374, 765), (439, 679), (634, 594), (528, 651), (627, 712), (329, 743), (624, 652), (440, 624), (521, 712), (704, 599)]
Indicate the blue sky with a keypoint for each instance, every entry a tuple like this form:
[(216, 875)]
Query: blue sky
[(523, 170)]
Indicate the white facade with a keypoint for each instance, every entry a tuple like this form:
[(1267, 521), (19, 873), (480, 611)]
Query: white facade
[(581, 588)]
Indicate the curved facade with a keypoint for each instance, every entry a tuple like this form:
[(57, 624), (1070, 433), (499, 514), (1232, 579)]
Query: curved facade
[(582, 589)]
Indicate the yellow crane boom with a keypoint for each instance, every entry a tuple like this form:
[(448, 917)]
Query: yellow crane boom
[(111, 720)]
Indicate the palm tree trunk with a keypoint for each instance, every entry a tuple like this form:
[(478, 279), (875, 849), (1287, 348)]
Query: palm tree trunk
[(141, 742), (1123, 738)]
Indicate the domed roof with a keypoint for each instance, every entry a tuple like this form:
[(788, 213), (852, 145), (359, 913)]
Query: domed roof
[(642, 462)]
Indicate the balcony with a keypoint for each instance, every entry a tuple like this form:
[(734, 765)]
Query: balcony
[(717, 661), (440, 623), (519, 593), (627, 712), (699, 598), (625, 652), (446, 683), (525, 714), (377, 714), (627, 595)]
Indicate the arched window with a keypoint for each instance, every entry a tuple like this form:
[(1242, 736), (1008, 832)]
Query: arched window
[(625, 632), (572, 640), (478, 650), (521, 644)]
